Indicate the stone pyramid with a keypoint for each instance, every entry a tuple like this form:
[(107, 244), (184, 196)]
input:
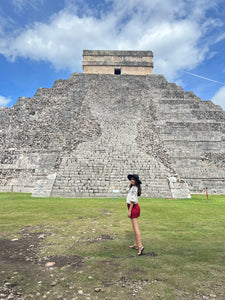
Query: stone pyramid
[(83, 136)]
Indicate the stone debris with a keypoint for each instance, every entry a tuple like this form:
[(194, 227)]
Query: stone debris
[(50, 264), (7, 292), (41, 236)]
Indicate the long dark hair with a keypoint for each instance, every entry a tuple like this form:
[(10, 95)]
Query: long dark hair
[(138, 187)]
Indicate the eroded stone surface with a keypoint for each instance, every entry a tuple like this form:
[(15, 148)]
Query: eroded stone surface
[(84, 135)]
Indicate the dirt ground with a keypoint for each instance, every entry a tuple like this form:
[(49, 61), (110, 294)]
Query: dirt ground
[(21, 268), (24, 275)]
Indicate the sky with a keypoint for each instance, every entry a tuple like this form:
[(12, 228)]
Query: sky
[(43, 40)]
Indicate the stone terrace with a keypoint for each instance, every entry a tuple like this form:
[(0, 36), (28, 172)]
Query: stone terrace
[(84, 135)]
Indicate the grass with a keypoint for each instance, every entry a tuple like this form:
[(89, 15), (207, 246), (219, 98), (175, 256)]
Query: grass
[(187, 235)]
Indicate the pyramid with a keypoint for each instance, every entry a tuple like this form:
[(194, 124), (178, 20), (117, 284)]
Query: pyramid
[(83, 136)]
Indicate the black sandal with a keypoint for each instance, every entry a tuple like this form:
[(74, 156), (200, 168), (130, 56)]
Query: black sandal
[(140, 251)]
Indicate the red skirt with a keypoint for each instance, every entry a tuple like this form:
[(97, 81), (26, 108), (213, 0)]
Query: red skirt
[(135, 212)]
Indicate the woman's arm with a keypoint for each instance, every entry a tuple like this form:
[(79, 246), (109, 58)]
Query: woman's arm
[(130, 209)]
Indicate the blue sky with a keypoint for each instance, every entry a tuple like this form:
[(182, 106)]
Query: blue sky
[(43, 40)]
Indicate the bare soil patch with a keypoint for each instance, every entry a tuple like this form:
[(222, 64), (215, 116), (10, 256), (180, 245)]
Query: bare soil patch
[(20, 264), (26, 275)]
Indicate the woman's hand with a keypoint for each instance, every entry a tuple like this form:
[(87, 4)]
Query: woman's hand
[(130, 209)]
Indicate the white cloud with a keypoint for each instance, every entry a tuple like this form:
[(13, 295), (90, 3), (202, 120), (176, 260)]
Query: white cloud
[(173, 30), (4, 101), (220, 37), (219, 97), (20, 4), (61, 41), (175, 46)]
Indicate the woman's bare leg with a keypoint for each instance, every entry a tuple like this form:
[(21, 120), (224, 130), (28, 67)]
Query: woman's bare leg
[(135, 238), (137, 233)]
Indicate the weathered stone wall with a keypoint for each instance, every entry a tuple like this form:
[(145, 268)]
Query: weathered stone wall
[(36, 132), (132, 70), (128, 62), (84, 135)]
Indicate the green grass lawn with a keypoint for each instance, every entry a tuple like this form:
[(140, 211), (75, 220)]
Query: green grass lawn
[(187, 235)]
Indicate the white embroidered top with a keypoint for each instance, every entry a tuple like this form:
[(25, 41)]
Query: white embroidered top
[(132, 195)]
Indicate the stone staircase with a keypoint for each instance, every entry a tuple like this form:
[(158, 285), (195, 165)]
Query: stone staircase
[(193, 133), (82, 137), (97, 167)]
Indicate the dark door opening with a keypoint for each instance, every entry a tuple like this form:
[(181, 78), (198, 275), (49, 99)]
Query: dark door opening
[(117, 71)]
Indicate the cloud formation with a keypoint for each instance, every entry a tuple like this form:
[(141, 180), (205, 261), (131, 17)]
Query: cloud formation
[(178, 32), (173, 30), (219, 97), (4, 101), (20, 4)]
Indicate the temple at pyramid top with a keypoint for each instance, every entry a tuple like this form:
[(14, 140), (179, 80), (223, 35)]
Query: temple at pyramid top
[(117, 62)]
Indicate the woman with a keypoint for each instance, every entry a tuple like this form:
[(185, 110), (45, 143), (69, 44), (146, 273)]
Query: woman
[(134, 210)]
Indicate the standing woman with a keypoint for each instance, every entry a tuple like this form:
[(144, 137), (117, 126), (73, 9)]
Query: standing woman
[(134, 210)]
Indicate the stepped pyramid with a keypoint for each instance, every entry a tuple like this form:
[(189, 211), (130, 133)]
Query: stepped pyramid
[(83, 136)]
